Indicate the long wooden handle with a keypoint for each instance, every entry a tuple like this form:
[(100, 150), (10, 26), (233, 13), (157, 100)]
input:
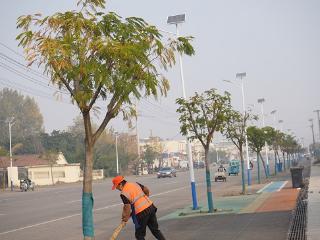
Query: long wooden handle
[(117, 231)]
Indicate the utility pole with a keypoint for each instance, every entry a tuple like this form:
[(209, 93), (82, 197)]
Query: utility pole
[(117, 158), (10, 121), (138, 142)]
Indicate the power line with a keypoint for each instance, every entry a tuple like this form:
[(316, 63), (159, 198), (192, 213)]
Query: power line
[(18, 64), (7, 47), (11, 69), (30, 91)]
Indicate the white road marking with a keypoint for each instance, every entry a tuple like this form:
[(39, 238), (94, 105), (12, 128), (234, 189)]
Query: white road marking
[(264, 187), (59, 192), (169, 183), (282, 186), (74, 201), (79, 214), (39, 224), (6, 199), (173, 190)]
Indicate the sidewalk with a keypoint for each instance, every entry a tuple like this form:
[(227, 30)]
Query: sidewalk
[(265, 215), (313, 213)]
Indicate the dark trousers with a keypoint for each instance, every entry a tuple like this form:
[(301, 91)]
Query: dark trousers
[(149, 220)]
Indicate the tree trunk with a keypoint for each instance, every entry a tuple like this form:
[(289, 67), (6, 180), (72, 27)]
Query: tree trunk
[(275, 162), (264, 165), (258, 163), (51, 174), (87, 196), (208, 180), (242, 172), (284, 161), (278, 159)]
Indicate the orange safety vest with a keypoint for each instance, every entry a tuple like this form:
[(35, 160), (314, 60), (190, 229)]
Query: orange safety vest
[(136, 196)]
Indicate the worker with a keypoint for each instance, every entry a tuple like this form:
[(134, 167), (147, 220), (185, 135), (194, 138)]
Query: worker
[(137, 204), (221, 168)]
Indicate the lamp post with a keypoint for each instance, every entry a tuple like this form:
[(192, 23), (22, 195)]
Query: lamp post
[(261, 101), (117, 158), (273, 113), (313, 140), (317, 111), (241, 76), (280, 123), (176, 20)]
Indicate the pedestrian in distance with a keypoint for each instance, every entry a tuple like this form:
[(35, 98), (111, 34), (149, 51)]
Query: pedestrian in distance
[(137, 204), (251, 165)]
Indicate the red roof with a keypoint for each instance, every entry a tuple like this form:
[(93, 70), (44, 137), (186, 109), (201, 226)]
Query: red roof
[(23, 160)]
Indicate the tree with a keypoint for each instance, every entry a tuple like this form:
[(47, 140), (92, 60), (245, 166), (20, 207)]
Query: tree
[(271, 139), (28, 121), (95, 55), (200, 117), (150, 155), (285, 146), (256, 139), (51, 157), (235, 130)]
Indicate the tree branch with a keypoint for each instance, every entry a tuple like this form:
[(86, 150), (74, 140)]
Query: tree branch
[(195, 128), (113, 106), (95, 96)]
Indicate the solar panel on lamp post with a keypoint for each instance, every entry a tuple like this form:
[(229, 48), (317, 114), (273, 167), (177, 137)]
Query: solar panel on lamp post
[(176, 20)]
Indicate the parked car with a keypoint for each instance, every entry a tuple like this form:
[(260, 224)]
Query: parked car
[(198, 164), (167, 172)]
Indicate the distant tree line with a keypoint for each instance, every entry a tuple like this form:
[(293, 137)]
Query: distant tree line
[(28, 136)]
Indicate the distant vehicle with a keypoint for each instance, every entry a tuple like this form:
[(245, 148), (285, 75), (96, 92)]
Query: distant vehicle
[(167, 172), (220, 174), (183, 164), (26, 185), (234, 167), (198, 164)]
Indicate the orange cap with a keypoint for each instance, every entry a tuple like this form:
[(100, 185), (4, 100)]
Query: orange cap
[(116, 180)]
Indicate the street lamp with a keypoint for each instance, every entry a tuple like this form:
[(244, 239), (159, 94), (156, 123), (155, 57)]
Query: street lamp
[(117, 158), (241, 76), (261, 101), (176, 20), (313, 140), (273, 113), (280, 123)]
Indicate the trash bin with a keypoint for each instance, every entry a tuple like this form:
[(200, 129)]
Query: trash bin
[(297, 177), (279, 167)]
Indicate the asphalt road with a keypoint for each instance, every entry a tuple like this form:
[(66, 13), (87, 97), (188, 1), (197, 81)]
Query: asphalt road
[(55, 212)]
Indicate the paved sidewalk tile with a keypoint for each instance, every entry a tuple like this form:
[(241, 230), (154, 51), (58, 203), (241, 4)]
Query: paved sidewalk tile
[(284, 200)]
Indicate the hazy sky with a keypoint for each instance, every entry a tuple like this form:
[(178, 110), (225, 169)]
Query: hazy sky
[(277, 42)]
